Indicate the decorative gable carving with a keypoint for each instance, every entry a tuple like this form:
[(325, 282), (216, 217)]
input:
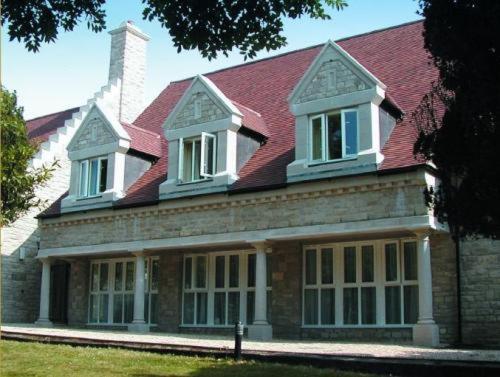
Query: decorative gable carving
[(95, 132), (333, 78), (199, 109)]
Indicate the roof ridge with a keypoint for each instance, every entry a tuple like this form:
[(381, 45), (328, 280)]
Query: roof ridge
[(54, 113), (299, 50), (246, 107), (140, 128)]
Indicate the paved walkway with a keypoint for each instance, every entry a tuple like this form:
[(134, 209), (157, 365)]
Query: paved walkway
[(341, 349)]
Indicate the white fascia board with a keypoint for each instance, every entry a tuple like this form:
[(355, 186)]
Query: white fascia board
[(212, 90), (355, 228), (318, 60)]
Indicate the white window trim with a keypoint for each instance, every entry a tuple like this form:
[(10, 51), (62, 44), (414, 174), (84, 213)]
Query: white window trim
[(203, 175), (324, 137), (210, 289), (110, 292), (88, 162), (339, 285)]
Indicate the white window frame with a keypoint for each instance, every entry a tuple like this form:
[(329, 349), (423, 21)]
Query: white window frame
[(88, 163), (324, 136), (210, 289), (203, 138), (338, 281)]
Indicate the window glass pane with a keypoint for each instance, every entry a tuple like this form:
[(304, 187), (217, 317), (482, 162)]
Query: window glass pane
[(350, 306), (391, 262), (328, 306), (188, 308), (269, 299), (310, 266), (367, 263), (84, 166), (351, 133), (95, 277), (334, 136), (155, 274), (209, 154), (393, 305), (410, 260), (119, 276), (327, 266), (317, 143), (117, 308), (146, 275), (233, 308), (350, 264), (154, 308), (103, 277), (269, 270), (129, 276), (103, 308), (187, 161), (197, 160), (93, 309), (201, 308), (128, 308), (188, 262), (103, 175), (219, 271), (311, 307), (94, 166), (368, 306), (250, 307), (201, 272), (234, 271), (411, 303), (220, 308), (251, 270), (146, 307)]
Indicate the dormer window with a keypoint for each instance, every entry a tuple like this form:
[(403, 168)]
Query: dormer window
[(333, 136), (197, 156), (93, 175)]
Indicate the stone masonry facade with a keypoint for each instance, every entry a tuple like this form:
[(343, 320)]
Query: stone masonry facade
[(95, 132), (209, 111)]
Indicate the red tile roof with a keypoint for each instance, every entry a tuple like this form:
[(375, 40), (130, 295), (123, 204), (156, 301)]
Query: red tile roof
[(395, 55), (144, 141), (252, 120), (40, 129)]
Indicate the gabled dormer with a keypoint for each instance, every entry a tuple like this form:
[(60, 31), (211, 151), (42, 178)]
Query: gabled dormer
[(336, 105), (205, 142), (97, 153)]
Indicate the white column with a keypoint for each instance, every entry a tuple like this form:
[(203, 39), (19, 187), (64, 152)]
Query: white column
[(139, 324), (425, 332), (43, 319), (260, 329)]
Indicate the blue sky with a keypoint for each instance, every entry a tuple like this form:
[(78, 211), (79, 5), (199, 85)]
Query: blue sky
[(65, 74)]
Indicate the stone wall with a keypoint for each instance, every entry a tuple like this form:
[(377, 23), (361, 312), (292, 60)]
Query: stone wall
[(480, 285), (170, 292), (95, 132), (209, 111), (78, 290)]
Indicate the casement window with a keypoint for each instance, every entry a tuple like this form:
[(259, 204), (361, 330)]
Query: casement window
[(251, 263), (112, 288), (360, 284), (333, 136), (197, 157), (219, 289), (93, 174)]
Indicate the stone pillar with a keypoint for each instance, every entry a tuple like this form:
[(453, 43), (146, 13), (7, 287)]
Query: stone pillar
[(425, 332), (43, 319), (139, 324), (260, 329)]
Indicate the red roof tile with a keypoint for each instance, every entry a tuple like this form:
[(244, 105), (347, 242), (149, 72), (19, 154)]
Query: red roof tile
[(144, 141), (40, 129), (396, 56)]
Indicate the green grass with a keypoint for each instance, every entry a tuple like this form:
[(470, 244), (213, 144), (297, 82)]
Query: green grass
[(36, 359)]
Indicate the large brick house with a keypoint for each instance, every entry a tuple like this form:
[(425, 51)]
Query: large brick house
[(282, 193)]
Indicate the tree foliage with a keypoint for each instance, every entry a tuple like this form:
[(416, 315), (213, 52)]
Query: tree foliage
[(211, 26), (18, 180), (459, 120)]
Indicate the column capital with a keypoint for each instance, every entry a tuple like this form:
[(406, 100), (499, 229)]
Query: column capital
[(46, 260), (422, 233), (137, 252), (263, 245)]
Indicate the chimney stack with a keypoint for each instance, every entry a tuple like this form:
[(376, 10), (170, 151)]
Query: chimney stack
[(128, 63)]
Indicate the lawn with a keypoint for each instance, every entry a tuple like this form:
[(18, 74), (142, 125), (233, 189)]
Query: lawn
[(36, 359)]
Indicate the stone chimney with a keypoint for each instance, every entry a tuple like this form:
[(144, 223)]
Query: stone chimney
[(128, 63)]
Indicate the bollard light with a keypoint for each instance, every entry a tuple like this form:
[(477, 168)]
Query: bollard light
[(238, 336)]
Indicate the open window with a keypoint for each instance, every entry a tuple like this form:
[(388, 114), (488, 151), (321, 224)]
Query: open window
[(197, 156), (333, 136), (93, 175)]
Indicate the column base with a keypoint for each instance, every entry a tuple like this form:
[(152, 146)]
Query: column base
[(426, 334), (260, 332), (138, 327), (43, 322)]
